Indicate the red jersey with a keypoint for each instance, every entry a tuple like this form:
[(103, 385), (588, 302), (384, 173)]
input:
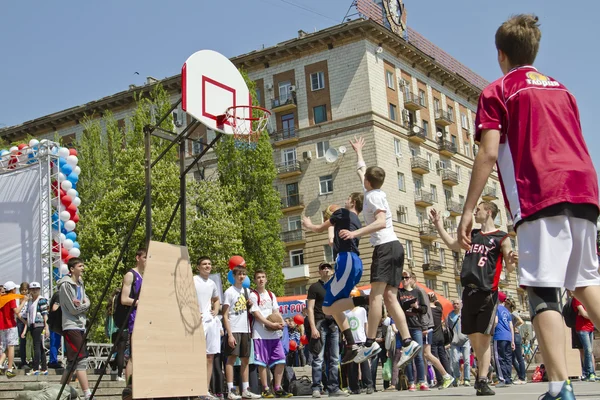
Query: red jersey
[(542, 159), (7, 315), (581, 324)]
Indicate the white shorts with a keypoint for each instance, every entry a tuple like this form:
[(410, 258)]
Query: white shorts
[(212, 334), (558, 252), (8, 337)]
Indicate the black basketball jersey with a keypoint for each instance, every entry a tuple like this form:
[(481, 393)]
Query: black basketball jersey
[(482, 264)]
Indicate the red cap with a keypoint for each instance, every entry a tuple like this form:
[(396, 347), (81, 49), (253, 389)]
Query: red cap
[(501, 297)]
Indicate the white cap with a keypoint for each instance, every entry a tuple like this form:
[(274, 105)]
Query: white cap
[(10, 285), (34, 285)]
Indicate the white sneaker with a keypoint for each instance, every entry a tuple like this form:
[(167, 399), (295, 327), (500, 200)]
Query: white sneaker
[(233, 395), (120, 379), (364, 353), (247, 394), (210, 396), (408, 353)]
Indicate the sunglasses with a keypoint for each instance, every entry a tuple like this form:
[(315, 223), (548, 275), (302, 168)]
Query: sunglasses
[(325, 267), (406, 277)]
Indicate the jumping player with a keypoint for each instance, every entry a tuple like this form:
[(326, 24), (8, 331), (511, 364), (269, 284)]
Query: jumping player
[(529, 124), (388, 260), (348, 268), (479, 277)]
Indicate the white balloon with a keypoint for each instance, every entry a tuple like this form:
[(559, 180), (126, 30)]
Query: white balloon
[(66, 185), (64, 269), (62, 237), (54, 150), (70, 226), (72, 161), (74, 252), (72, 193), (76, 201), (63, 152), (54, 202), (56, 236), (65, 216), (68, 244), (76, 170), (61, 177), (33, 142), (13, 149)]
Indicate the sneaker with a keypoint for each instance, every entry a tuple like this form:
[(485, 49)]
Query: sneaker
[(120, 378), (365, 353), (10, 373), (592, 378), (412, 387), (282, 394), (44, 372), (390, 389), (502, 384), (233, 395), (449, 380), (370, 390), (483, 389), (268, 394), (339, 393), (408, 353), (423, 387), (566, 393), (466, 383), (350, 354), (247, 394), (316, 394), (32, 372), (209, 396)]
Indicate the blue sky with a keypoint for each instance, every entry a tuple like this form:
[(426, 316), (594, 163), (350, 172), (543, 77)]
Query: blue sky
[(59, 54)]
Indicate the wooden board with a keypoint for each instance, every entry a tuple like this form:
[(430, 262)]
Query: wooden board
[(573, 358), (169, 349)]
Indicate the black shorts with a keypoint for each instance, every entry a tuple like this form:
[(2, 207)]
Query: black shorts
[(73, 342), (242, 345), (388, 263), (478, 311)]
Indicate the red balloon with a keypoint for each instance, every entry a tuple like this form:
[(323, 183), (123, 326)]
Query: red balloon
[(75, 218), (66, 259), (299, 319), (293, 345), (304, 340), (54, 246), (234, 261), (54, 184), (72, 152), (66, 199), (64, 253), (72, 209), (22, 146)]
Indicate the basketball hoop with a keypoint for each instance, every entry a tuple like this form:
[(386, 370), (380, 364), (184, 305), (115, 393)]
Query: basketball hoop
[(247, 123)]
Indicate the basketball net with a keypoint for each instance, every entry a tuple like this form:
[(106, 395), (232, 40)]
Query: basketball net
[(247, 123)]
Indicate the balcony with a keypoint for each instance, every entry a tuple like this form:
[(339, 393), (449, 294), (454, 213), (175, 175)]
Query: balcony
[(455, 208), (284, 137), (283, 103), (510, 228), (288, 169), (296, 273), (419, 165), (292, 238), (443, 118), (428, 232), (446, 148), (432, 269), (423, 199), (489, 193), (449, 177), (415, 134), (413, 102), (294, 202)]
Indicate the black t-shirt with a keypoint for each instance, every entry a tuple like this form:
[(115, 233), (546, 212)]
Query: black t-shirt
[(344, 219), (316, 292), (414, 317), (483, 261), (437, 313)]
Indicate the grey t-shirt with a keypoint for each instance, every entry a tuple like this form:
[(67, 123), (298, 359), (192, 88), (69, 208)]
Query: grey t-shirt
[(427, 318)]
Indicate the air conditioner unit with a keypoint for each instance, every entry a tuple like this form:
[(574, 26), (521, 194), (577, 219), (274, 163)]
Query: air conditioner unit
[(307, 155), (411, 263), (292, 88), (435, 245)]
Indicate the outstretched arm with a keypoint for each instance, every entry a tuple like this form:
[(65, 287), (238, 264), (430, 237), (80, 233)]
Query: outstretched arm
[(436, 220), (511, 258), (307, 224), (374, 226), (361, 167)]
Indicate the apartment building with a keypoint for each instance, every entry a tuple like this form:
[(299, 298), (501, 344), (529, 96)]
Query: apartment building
[(357, 78)]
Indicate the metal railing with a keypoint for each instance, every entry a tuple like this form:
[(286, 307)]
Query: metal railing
[(284, 134), (434, 268), (445, 115), (292, 236), (423, 196), (292, 200), (288, 166), (446, 145), (283, 101), (454, 206), (410, 97), (419, 162)]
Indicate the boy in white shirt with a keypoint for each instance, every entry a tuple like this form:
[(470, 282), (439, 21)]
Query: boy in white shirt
[(388, 260), (357, 318), (268, 350), (209, 303)]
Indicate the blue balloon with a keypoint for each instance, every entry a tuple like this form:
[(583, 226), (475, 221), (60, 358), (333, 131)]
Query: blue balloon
[(62, 228), (3, 152), (55, 216), (62, 161), (246, 282), (56, 273), (71, 235), (75, 244), (73, 178), (230, 277), (66, 169), (57, 225)]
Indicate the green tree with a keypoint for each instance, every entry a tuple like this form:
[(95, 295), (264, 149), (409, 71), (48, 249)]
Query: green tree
[(248, 176)]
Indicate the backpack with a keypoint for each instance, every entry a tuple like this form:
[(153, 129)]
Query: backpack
[(121, 311), (55, 317), (250, 316), (569, 314), (289, 376)]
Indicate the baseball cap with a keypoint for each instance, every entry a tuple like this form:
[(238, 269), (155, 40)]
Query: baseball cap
[(34, 285), (501, 297), (10, 285)]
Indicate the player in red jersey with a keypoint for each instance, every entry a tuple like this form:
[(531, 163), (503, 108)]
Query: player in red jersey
[(528, 123)]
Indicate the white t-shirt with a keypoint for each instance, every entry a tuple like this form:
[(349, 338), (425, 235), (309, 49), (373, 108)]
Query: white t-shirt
[(266, 308), (376, 200), (206, 289), (238, 313), (357, 318)]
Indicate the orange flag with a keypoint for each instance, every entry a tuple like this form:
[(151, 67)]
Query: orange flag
[(8, 297)]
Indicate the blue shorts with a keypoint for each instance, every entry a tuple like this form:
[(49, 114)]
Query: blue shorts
[(348, 271)]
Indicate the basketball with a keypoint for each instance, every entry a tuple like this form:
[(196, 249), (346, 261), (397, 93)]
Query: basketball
[(276, 318), (330, 210)]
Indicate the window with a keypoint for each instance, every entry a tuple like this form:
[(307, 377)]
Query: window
[(258, 95), (459, 289), (443, 164), (298, 290), (454, 141), (425, 127), (456, 258), (294, 223), (426, 255), (446, 289), (292, 195), (398, 147), (451, 113), (389, 78), (442, 257), (393, 112), (320, 114), (430, 283), (288, 156), (328, 253), (288, 126), (442, 130), (430, 160), (197, 147), (322, 147), (406, 89), (296, 257), (326, 184), (422, 98), (467, 150), (433, 190), (418, 185), (420, 218), (402, 214), (285, 91), (401, 183), (413, 151), (317, 81), (408, 248), (436, 104), (458, 172), (461, 199), (464, 122), (448, 194)]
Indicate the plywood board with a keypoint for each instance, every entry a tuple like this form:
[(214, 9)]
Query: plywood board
[(169, 349), (573, 358)]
